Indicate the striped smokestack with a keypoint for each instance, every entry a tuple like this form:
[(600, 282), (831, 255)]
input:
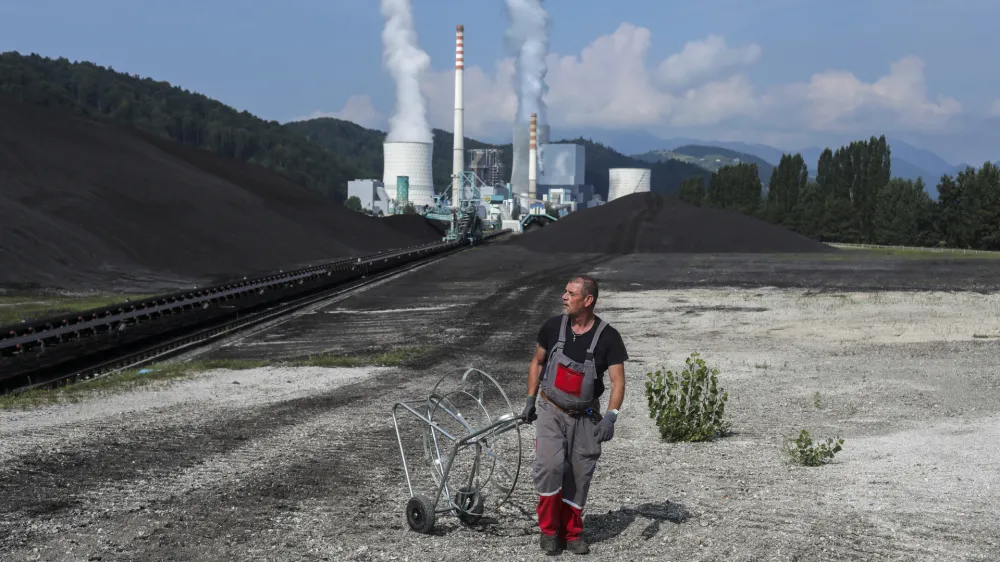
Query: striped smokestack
[(458, 155), (533, 157)]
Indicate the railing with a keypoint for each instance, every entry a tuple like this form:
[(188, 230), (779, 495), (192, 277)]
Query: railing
[(917, 248)]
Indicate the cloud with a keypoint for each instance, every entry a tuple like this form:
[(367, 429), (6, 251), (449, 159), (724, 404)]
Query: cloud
[(703, 60), (995, 109), (357, 109), (611, 84), (837, 100), (607, 84), (490, 100)]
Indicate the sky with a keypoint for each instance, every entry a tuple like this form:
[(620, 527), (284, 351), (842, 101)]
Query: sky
[(788, 73)]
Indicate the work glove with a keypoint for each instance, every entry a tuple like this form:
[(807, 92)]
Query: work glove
[(529, 414), (606, 429)]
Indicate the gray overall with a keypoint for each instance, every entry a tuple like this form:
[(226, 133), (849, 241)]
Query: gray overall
[(568, 440)]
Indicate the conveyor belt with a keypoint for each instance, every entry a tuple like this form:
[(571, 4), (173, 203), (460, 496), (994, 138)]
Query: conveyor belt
[(83, 345)]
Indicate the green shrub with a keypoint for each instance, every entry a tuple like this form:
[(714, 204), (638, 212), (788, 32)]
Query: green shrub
[(811, 454), (688, 406)]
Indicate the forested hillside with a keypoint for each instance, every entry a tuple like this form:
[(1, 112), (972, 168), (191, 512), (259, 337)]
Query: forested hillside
[(711, 158), (665, 177), (171, 112), (365, 146), (854, 200), (331, 133), (321, 154)]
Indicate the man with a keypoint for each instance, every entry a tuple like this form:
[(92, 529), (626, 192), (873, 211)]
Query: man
[(565, 383)]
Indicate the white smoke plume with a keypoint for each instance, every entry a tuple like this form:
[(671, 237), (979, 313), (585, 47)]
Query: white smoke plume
[(407, 62), (528, 39)]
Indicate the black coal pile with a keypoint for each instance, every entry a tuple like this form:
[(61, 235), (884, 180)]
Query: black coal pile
[(416, 226), (653, 223), (86, 204)]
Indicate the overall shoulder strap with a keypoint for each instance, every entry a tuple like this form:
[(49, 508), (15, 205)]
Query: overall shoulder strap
[(562, 329), (597, 336)]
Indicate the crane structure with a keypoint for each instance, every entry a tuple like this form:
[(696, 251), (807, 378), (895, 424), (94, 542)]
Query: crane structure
[(463, 218)]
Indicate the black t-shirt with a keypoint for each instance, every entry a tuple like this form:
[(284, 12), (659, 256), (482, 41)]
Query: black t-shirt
[(610, 348)]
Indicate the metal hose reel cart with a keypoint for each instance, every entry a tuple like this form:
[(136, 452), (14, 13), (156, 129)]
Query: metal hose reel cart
[(470, 443)]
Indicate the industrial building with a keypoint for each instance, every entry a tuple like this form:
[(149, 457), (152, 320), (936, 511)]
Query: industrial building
[(540, 173), (562, 165), (519, 165), (625, 181), (372, 195), (559, 171), (487, 164), (562, 179), (413, 160)]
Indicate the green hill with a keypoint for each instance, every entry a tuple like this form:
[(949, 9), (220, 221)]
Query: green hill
[(710, 158), (320, 154), (342, 136), (170, 112), (666, 175)]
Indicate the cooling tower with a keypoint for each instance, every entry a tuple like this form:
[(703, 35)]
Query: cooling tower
[(413, 160), (519, 168), (625, 181)]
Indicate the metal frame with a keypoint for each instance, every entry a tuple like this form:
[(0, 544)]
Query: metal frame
[(463, 217), (434, 437), (487, 163)]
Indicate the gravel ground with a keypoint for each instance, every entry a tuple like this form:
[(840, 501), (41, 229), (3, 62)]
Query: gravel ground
[(303, 464)]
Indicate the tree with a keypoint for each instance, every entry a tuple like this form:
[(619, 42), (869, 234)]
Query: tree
[(969, 203), (897, 212), (320, 154), (692, 190), (170, 113), (840, 222), (735, 187), (809, 211), (353, 203), (784, 189)]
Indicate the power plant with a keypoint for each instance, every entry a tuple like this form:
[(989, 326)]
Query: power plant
[(625, 181), (487, 164), (546, 180), (412, 160), (519, 165)]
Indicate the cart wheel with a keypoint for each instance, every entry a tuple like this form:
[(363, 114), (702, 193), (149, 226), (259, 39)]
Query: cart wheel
[(420, 514), (470, 506)]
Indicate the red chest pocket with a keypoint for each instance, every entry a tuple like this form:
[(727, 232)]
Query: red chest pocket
[(568, 380)]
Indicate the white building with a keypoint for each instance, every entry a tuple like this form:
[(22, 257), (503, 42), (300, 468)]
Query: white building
[(626, 181), (372, 195), (561, 165)]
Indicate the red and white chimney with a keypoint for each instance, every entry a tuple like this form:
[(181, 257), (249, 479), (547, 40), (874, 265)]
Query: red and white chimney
[(533, 157), (458, 155)]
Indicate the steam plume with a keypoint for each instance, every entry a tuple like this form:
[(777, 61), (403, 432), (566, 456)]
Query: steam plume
[(528, 38), (406, 62)]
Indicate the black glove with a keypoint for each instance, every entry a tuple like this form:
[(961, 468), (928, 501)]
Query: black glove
[(606, 429), (529, 414)]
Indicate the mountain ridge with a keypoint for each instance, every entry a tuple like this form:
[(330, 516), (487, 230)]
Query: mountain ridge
[(710, 158), (908, 161)]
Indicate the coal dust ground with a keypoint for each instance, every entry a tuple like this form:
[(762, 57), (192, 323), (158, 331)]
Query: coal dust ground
[(897, 356)]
